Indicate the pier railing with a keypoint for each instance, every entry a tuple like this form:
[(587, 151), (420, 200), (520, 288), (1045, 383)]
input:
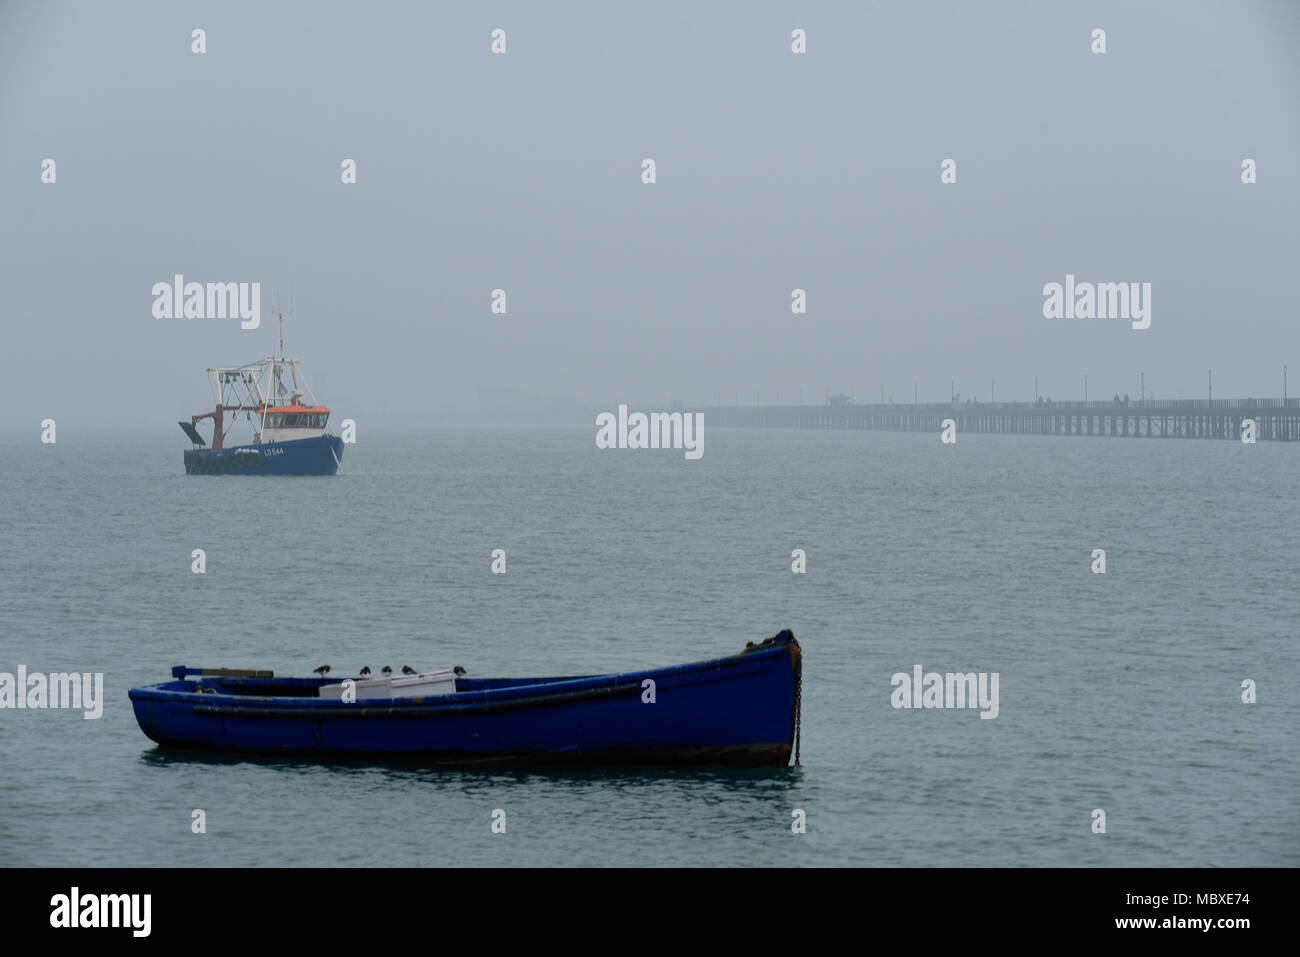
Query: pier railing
[(1271, 419)]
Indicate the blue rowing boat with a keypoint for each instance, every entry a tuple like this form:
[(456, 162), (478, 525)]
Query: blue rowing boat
[(738, 710)]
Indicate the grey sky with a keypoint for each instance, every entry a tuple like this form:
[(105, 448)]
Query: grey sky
[(522, 171)]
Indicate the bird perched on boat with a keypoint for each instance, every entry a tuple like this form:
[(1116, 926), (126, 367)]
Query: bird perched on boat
[(322, 670), (407, 670), (365, 671), (458, 670), (385, 671)]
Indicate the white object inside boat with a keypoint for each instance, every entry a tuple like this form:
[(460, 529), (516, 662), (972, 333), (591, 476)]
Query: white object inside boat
[(397, 686)]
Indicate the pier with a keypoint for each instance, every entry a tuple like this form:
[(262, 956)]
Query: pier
[(1275, 419)]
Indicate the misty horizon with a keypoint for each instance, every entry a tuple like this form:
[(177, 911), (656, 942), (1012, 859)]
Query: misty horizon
[(523, 172)]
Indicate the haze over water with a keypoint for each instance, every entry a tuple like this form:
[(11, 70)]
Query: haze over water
[(522, 172), (777, 172)]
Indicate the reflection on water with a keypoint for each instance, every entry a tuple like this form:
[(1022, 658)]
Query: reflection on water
[(404, 772)]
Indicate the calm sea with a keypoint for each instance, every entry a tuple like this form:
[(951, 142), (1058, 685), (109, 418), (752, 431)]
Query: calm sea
[(1118, 691)]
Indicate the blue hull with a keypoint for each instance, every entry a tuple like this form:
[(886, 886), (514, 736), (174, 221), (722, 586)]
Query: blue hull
[(739, 710), (315, 456)]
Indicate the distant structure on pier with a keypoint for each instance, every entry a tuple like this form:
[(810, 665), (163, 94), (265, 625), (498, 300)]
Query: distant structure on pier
[(1275, 419)]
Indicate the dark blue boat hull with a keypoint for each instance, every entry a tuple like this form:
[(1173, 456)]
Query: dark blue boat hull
[(320, 455), (740, 710)]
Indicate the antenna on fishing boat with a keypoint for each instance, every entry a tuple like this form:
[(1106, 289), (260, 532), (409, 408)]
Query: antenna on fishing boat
[(282, 320), (275, 383), (280, 314)]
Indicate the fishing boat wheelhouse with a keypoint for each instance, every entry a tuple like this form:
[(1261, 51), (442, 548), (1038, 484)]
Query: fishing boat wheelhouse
[(285, 423)]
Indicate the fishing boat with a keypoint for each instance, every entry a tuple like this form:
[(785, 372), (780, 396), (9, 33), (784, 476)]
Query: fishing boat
[(739, 710), (290, 436)]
